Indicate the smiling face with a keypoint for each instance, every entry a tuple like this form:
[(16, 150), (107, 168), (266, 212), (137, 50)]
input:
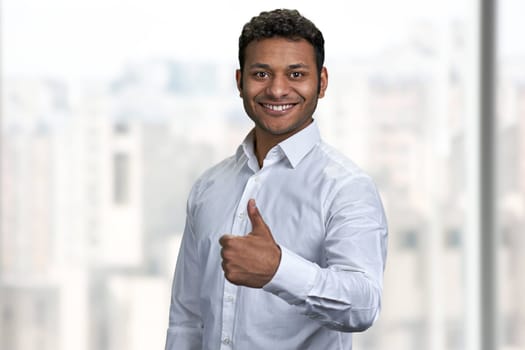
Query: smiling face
[(280, 86)]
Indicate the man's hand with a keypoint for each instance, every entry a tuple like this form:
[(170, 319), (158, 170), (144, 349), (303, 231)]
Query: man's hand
[(250, 260)]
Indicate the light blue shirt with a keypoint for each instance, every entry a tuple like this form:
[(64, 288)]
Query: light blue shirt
[(325, 214)]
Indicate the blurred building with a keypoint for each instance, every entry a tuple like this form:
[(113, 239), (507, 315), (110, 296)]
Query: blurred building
[(95, 178), (511, 198)]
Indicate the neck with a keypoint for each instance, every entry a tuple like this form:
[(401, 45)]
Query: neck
[(264, 141)]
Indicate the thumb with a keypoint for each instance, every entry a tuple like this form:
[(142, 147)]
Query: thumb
[(255, 217)]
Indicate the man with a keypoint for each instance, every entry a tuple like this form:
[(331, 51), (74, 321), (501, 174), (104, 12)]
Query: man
[(285, 242)]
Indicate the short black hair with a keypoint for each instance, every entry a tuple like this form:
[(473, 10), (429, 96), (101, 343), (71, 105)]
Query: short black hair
[(284, 23)]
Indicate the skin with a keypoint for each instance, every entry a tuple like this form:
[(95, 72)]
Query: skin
[(280, 86), (250, 260), (279, 72)]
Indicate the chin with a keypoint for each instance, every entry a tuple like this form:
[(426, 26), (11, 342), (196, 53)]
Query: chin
[(279, 131)]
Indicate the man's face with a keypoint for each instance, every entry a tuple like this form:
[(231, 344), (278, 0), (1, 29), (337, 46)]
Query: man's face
[(280, 85)]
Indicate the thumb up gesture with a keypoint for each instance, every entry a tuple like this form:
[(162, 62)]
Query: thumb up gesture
[(250, 260)]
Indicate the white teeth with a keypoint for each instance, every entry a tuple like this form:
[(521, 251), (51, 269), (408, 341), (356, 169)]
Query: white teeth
[(279, 108)]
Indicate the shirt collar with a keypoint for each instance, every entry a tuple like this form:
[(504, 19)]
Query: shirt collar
[(247, 149), (297, 146), (294, 148)]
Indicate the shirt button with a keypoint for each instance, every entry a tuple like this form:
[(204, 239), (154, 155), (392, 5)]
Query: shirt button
[(241, 215), (256, 179), (226, 341), (229, 299)]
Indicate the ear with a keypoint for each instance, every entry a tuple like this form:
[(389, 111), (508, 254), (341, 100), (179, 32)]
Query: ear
[(238, 78), (323, 84)]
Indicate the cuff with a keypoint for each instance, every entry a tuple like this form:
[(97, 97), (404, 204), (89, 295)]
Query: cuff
[(294, 279)]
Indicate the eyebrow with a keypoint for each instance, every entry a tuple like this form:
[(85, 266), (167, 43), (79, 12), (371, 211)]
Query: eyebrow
[(298, 65), (267, 66)]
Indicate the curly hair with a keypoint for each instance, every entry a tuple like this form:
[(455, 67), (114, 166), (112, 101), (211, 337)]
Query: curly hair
[(282, 23)]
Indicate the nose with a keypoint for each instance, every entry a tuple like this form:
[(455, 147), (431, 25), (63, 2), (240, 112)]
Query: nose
[(278, 86)]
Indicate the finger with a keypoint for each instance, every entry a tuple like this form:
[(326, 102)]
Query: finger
[(255, 216), (224, 239)]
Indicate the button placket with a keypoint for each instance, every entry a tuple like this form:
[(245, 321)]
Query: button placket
[(240, 222), (239, 228)]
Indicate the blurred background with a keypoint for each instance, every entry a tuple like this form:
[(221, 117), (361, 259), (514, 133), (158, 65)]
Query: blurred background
[(110, 109)]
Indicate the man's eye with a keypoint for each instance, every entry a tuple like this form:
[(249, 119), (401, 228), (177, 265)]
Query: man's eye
[(261, 75), (296, 75)]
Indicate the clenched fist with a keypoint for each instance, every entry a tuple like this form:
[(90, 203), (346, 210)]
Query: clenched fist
[(250, 260)]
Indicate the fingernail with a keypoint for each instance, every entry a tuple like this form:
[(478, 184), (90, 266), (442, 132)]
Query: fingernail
[(251, 203)]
